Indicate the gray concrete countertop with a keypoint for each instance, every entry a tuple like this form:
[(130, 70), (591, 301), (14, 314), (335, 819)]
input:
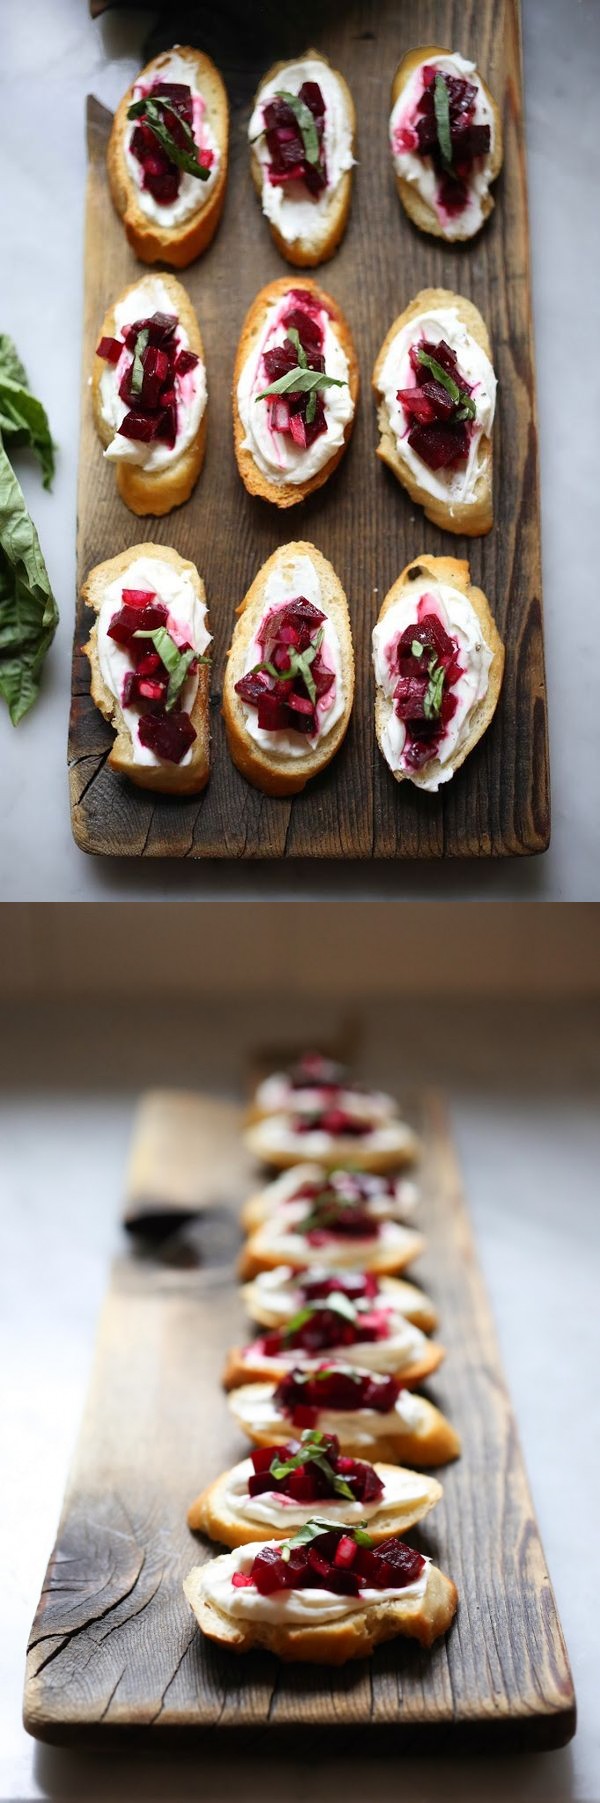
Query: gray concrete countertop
[(523, 1083), (59, 52)]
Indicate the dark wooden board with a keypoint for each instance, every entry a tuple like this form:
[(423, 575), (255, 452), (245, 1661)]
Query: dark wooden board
[(114, 1652), (498, 805)]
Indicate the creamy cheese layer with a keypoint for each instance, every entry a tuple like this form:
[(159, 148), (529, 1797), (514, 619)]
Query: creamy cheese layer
[(277, 1511), (295, 213), (150, 296), (277, 1130), (300, 577), (461, 622), (275, 454), (253, 1406), (193, 192), (294, 1607), (456, 486), (419, 171), (187, 620)]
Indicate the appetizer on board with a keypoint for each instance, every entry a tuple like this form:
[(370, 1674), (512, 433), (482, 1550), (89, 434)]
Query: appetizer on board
[(325, 1596), (149, 394), (301, 135), (167, 157), (280, 1487), (371, 1414), (391, 1198), (276, 1295), (295, 389), (311, 1081), (438, 662), (336, 1328), (446, 142), (149, 676), (436, 391), (334, 1230), (289, 680)]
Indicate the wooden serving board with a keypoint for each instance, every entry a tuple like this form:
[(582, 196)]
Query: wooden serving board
[(114, 1652), (498, 804)]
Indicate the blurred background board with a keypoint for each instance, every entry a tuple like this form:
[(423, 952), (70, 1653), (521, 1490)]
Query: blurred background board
[(114, 1653), (498, 805)]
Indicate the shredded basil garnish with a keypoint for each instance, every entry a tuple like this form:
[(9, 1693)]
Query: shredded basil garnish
[(305, 122), (458, 395), (152, 111), (441, 102)]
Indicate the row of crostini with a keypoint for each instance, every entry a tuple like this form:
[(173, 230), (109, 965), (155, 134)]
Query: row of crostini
[(314, 1518), (295, 391), (288, 688), (169, 146)]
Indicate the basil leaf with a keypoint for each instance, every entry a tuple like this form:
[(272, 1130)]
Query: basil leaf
[(441, 375), (305, 122), (300, 381), (10, 361), (294, 338), (28, 610), (417, 648), (152, 112), (23, 419), (433, 694), (441, 102), (137, 367)]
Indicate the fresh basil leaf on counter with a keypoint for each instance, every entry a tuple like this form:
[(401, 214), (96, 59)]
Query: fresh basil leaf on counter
[(23, 419), (28, 610)]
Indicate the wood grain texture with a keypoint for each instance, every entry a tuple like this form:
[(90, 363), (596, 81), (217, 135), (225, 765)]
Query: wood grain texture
[(498, 805), (114, 1652)]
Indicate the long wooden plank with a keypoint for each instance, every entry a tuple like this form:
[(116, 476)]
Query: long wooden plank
[(498, 804), (114, 1652)]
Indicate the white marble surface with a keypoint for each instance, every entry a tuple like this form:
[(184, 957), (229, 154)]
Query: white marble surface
[(57, 51), (523, 1087)]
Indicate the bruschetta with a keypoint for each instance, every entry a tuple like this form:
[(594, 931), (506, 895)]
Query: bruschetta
[(276, 1295), (167, 157), (372, 1416), (357, 1595), (332, 1138), (438, 661), (446, 142), (149, 669), (289, 680), (390, 1198), (295, 389), (279, 1487), (149, 394), (302, 141), (312, 1081), (436, 392)]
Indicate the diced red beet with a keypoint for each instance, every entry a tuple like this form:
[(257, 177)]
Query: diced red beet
[(333, 1560), (138, 597), (169, 736), (242, 1580), (110, 349), (185, 361), (334, 1387), (468, 141), (280, 414), (141, 426), (440, 446)]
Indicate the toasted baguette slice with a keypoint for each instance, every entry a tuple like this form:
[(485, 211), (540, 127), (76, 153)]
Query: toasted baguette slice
[(166, 779), (331, 213), (276, 1243), (354, 1636), (432, 1442), (284, 1189), (213, 1514), (154, 491), (454, 571), (274, 1142), (179, 244), (272, 771), (471, 518), (242, 1366), (273, 1306), (418, 209), (288, 494)]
